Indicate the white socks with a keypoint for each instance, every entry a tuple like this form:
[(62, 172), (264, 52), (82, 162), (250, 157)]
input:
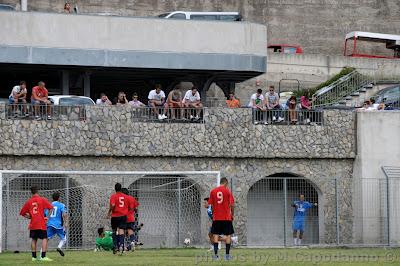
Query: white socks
[(299, 241), (295, 241), (61, 244)]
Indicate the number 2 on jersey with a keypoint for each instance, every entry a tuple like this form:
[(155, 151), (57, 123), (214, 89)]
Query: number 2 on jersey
[(35, 207), (220, 197)]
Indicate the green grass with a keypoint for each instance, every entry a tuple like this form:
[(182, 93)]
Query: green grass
[(177, 257)]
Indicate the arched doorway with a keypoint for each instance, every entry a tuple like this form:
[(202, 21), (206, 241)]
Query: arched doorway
[(270, 211), (170, 209)]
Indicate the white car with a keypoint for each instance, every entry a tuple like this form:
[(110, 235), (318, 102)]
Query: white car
[(70, 100)]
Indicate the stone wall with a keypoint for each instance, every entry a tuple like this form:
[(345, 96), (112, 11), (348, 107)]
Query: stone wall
[(242, 172), (319, 26), (110, 131)]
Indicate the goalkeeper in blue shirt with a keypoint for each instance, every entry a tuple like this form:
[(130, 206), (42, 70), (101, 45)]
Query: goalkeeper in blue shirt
[(57, 222), (300, 210)]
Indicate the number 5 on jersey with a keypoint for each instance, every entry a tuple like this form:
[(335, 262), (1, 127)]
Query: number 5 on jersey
[(121, 202)]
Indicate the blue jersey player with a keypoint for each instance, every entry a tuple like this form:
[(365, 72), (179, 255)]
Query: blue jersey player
[(57, 222), (300, 212), (209, 213)]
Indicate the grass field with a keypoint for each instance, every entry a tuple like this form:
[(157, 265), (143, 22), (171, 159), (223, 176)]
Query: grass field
[(176, 257)]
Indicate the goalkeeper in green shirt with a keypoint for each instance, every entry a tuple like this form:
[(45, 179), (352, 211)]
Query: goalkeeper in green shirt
[(104, 241)]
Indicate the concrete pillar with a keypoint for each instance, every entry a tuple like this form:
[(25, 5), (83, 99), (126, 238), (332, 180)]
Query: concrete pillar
[(65, 82), (24, 5), (86, 84)]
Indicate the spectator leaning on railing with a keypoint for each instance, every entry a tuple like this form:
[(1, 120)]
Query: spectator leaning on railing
[(292, 109), (135, 101), (40, 97), (121, 100), (103, 100), (272, 103), (18, 95), (257, 104), (192, 100), (174, 101), (232, 101), (306, 106), (156, 101)]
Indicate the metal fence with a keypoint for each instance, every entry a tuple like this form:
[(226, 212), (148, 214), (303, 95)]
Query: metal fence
[(45, 112), (288, 117), (168, 115)]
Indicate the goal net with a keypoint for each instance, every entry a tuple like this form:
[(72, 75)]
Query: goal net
[(170, 205)]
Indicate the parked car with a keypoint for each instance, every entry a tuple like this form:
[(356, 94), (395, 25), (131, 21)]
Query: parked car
[(70, 100), (4, 7), (390, 96), (224, 16), (285, 48)]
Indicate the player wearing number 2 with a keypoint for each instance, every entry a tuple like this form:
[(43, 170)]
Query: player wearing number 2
[(119, 206), (34, 209), (58, 221), (222, 204)]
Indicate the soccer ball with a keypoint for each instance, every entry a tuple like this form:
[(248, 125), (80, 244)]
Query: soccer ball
[(187, 241)]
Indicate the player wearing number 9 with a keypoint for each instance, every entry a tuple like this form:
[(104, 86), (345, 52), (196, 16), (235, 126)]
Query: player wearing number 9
[(118, 212), (222, 204), (34, 210)]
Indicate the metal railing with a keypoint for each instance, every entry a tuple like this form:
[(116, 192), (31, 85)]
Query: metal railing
[(288, 117), (45, 112), (167, 115), (338, 90)]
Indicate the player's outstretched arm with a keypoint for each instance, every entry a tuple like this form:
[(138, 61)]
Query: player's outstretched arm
[(65, 219)]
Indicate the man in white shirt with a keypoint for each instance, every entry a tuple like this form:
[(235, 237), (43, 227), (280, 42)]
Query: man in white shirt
[(18, 95), (103, 100), (257, 104), (192, 100), (157, 101)]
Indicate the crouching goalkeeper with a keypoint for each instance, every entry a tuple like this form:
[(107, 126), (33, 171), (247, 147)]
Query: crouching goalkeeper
[(104, 241)]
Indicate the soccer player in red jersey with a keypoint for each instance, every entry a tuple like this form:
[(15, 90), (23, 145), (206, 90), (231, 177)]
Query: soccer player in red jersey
[(34, 210), (222, 204), (130, 219), (119, 206)]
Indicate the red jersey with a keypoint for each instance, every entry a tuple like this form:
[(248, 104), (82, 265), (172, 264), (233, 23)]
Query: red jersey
[(133, 204), (120, 202), (39, 92), (35, 207), (221, 200)]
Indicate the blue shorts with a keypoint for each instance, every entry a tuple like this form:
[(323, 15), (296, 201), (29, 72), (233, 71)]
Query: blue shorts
[(51, 231), (298, 226)]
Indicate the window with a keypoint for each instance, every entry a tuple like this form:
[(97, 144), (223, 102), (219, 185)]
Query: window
[(289, 50), (178, 16), (229, 17), (203, 17)]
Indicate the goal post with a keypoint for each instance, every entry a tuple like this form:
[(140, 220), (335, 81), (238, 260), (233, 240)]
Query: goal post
[(170, 204)]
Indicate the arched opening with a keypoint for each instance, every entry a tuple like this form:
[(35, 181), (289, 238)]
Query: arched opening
[(170, 209), (270, 211), (16, 192)]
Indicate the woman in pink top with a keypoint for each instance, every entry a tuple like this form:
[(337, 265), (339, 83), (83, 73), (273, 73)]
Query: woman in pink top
[(305, 106)]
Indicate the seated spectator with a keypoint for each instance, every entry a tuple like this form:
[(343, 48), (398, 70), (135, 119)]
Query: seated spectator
[(292, 110), (40, 96), (157, 101), (381, 106), (233, 102), (18, 95), (104, 241), (174, 101), (305, 105), (192, 100), (272, 103), (67, 8), (103, 100), (121, 100), (135, 101), (257, 104)]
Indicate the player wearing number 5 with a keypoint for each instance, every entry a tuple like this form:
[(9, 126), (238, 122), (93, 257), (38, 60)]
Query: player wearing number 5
[(119, 204), (57, 222), (34, 210), (222, 204)]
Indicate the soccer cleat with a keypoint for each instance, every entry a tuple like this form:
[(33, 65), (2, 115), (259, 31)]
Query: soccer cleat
[(215, 257), (164, 116), (227, 257), (61, 252), (45, 259), (35, 259)]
